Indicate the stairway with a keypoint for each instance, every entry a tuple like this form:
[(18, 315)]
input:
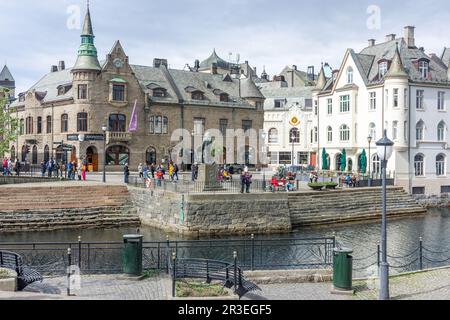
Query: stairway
[(349, 205), (51, 207)]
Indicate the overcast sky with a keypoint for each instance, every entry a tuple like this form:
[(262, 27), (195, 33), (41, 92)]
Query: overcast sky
[(275, 33)]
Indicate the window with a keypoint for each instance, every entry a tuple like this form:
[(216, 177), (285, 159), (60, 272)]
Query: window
[(395, 130), (46, 154), (418, 165), (303, 158), (273, 156), (49, 124), (118, 93), (440, 165), (273, 135), (376, 164), (34, 155), (21, 127), (198, 95), (64, 123), (259, 105), (419, 131), (294, 136), (441, 101), (21, 97), (316, 107), (373, 131), (316, 134), (224, 97), (39, 125), (247, 125), (372, 101), (29, 125), (117, 123), (280, 103), (405, 130), (159, 93), (441, 131), (349, 75), (199, 126), (165, 125), (344, 103), (395, 100), (82, 122), (330, 106), (117, 155), (445, 189), (344, 133), (419, 99), (223, 125), (418, 190), (383, 68), (386, 98), (82, 91), (150, 156), (151, 123), (158, 125), (405, 98), (330, 134), (285, 158), (424, 68)]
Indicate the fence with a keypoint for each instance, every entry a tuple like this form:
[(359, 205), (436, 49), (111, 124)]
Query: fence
[(106, 257)]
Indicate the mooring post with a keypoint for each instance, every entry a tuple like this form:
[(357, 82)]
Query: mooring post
[(235, 271), (69, 257), (421, 253), (79, 252), (253, 253)]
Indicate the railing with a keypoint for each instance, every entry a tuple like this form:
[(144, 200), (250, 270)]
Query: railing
[(113, 136), (106, 257)]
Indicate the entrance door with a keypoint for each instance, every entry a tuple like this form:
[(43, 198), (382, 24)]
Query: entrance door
[(92, 159), (313, 159)]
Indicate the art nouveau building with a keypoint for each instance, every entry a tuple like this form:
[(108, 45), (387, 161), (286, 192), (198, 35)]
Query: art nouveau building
[(73, 104), (395, 86)]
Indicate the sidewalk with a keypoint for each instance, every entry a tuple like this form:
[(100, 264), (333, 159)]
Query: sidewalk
[(427, 285)]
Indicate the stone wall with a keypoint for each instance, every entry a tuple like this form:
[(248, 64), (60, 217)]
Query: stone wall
[(433, 201), (19, 180), (212, 214)]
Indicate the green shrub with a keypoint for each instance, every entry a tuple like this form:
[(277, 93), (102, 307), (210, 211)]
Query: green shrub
[(316, 186), (199, 290)]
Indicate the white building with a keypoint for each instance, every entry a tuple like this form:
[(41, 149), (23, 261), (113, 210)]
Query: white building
[(288, 120), (394, 86)]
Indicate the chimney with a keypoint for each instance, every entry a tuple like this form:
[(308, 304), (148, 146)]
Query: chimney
[(409, 36), (422, 49), (371, 42), (390, 37), (61, 66), (294, 67), (54, 69), (214, 68), (196, 65), (157, 63)]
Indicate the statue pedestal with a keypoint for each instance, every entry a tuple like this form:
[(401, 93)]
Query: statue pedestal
[(207, 174)]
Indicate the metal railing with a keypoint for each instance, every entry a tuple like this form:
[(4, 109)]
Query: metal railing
[(106, 257)]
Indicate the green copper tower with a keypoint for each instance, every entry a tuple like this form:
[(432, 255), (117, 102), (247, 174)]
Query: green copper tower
[(87, 53)]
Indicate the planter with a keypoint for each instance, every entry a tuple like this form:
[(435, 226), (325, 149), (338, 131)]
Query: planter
[(316, 186), (331, 186), (8, 280)]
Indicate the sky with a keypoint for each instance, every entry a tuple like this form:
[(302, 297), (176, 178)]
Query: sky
[(273, 33)]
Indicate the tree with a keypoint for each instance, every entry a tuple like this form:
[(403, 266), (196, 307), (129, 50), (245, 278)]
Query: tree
[(8, 123)]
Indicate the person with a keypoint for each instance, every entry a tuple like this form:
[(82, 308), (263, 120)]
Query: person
[(50, 166), (17, 168), (83, 171), (153, 169), (246, 181), (141, 170), (311, 177), (274, 184), (10, 167), (79, 171), (5, 166), (74, 170), (63, 169), (171, 169), (159, 176), (290, 186), (176, 169), (69, 170), (126, 172), (194, 170), (347, 180), (43, 168)]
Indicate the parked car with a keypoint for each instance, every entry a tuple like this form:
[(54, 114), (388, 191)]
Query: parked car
[(235, 168)]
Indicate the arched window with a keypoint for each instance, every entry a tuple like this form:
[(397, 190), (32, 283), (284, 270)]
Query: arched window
[(49, 124), (344, 133), (349, 75), (440, 165), (273, 135), (117, 123), (82, 122), (376, 164), (13, 153), (419, 165), (420, 131), (338, 162), (294, 136), (39, 125), (24, 153), (441, 131), (21, 127), (29, 125), (373, 131), (150, 156), (46, 154), (330, 134), (64, 122), (117, 155), (35, 155)]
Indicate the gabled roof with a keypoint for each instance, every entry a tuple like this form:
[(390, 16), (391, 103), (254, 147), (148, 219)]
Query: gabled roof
[(6, 75)]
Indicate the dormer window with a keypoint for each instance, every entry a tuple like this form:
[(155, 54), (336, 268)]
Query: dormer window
[(22, 98), (350, 75), (223, 96), (424, 68), (197, 95), (383, 68), (159, 93)]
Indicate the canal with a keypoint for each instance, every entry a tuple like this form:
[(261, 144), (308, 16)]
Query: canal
[(403, 239)]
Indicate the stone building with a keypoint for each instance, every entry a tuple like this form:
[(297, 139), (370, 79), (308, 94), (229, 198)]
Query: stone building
[(73, 104), (393, 86)]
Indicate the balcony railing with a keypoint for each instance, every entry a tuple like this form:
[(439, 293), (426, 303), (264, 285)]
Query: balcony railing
[(112, 136)]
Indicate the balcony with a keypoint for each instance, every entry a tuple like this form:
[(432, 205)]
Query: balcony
[(112, 136)]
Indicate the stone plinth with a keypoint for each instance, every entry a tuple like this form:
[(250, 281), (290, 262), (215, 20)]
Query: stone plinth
[(207, 174), (8, 283)]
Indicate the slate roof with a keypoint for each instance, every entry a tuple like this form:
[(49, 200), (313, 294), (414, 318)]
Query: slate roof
[(291, 94), (6, 75), (214, 58)]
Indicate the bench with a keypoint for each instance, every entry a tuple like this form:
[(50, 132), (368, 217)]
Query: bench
[(25, 275)]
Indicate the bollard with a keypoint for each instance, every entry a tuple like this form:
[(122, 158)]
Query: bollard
[(69, 257), (235, 271), (253, 253), (421, 253), (79, 252), (167, 251), (174, 273)]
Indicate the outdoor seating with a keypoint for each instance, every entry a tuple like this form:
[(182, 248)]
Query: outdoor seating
[(25, 275)]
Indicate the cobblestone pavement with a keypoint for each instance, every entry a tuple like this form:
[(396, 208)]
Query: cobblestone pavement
[(430, 285)]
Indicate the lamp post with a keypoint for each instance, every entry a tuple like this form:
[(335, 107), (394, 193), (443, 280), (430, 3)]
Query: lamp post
[(384, 150), (369, 183), (293, 138), (104, 128), (263, 137)]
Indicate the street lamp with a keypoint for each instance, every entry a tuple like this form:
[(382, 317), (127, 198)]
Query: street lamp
[(293, 138), (263, 137), (384, 150), (104, 129), (369, 139)]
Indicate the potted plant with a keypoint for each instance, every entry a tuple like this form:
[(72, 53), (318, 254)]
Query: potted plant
[(316, 186)]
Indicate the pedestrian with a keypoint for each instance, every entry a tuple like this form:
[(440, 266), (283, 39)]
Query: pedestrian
[(83, 171), (5, 166), (171, 169), (74, 170), (126, 173), (50, 167), (194, 170), (176, 169), (141, 170), (79, 171), (153, 169), (63, 169), (10, 167), (69, 170), (43, 168), (17, 167), (246, 181), (159, 176)]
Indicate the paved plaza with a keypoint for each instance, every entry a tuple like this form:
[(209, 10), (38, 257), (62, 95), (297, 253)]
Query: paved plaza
[(428, 285)]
